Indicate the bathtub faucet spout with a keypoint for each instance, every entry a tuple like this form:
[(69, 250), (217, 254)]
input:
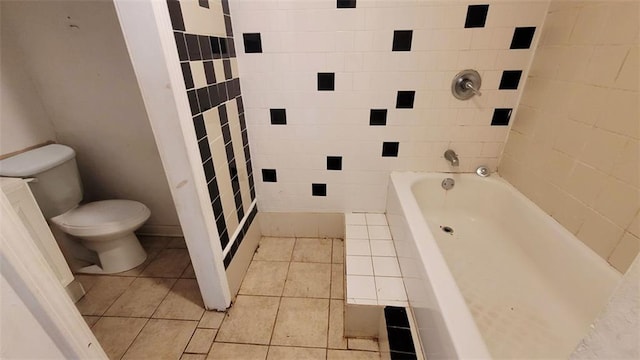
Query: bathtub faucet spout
[(451, 157)]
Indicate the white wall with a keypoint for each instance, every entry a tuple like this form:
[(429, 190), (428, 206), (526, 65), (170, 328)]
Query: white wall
[(76, 56), (23, 119), (21, 336), (302, 38)]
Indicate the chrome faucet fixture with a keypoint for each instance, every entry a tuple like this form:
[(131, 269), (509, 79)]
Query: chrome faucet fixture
[(451, 157)]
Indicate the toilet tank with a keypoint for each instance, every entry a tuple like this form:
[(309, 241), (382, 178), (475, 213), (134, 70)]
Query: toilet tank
[(56, 185)]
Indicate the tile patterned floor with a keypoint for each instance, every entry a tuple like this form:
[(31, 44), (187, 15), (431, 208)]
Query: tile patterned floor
[(290, 306)]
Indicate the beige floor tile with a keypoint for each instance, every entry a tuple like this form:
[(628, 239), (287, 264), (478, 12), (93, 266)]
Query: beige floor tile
[(337, 281), (87, 281), (336, 325), (152, 254), (141, 298), (104, 291), (363, 344), (184, 302), (224, 351), (188, 273), (302, 322), (352, 355), (250, 320), (337, 253), (265, 278), (296, 353), (308, 280), (201, 341), (211, 319), (170, 263), (176, 243), (312, 250), (193, 356), (161, 339), (91, 320), (115, 334), (274, 249)]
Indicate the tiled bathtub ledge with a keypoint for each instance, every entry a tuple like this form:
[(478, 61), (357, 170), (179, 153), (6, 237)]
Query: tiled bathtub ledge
[(372, 271)]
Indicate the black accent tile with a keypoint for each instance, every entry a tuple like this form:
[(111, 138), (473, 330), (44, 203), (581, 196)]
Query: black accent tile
[(240, 106), (209, 72), (334, 162), (245, 137), (222, 93), (405, 99), (252, 43), (395, 355), (501, 117), (229, 150), (217, 205), (400, 340), (175, 13), (239, 210), (510, 79), (203, 99), (204, 3), (232, 48), (346, 4), (209, 171), (326, 81), (269, 175), (390, 149), (227, 260), (227, 25), (252, 190), (224, 49), (402, 40), (205, 47), (226, 137), (243, 123), (476, 16), (193, 102), (378, 117), (234, 88), (396, 316), (214, 99), (247, 155), (226, 63), (193, 47), (205, 151), (225, 7), (186, 75), (278, 116), (222, 113), (522, 37), (181, 44), (198, 124), (319, 189), (215, 47)]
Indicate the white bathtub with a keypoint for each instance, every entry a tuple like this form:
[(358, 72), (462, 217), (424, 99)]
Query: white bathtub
[(508, 282)]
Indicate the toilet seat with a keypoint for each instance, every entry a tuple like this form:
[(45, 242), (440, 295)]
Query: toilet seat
[(102, 218)]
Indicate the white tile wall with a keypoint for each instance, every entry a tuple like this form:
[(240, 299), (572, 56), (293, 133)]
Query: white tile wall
[(302, 38)]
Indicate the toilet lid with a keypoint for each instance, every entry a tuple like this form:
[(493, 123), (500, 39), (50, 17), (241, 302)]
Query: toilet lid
[(102, 217)]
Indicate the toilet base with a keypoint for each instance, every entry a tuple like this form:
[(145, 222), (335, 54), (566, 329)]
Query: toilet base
[(115, 255)]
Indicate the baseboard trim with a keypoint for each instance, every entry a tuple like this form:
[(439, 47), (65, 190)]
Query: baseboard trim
[(161, 230)]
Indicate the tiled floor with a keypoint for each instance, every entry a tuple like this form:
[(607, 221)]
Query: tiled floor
[(290, 306)]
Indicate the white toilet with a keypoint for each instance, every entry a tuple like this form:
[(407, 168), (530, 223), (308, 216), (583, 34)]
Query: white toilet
[(104, 227)]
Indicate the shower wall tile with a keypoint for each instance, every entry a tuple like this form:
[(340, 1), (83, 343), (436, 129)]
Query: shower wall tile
[(301, 39), (573, 145), (206, 50)]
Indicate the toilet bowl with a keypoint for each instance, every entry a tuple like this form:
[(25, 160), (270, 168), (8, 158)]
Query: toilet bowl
[(106, 227)]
